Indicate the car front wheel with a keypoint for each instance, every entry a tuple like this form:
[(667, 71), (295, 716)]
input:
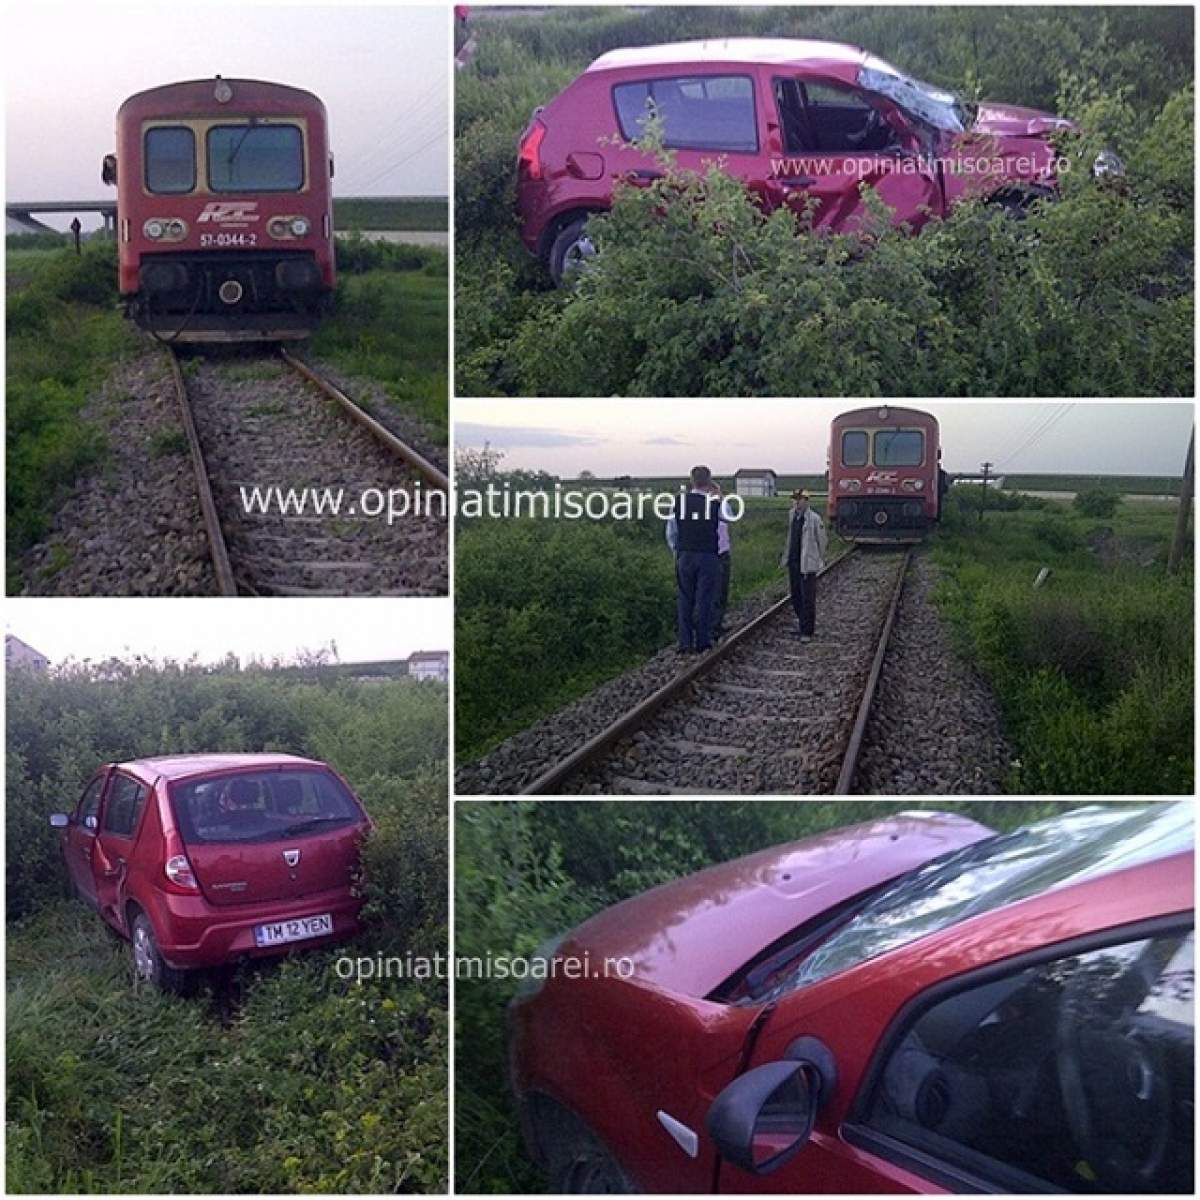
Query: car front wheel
[(570, 252), (579, 1165), (149, 966)]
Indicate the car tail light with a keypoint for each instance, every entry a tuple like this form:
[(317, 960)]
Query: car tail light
[(529, 157), (179, 871)]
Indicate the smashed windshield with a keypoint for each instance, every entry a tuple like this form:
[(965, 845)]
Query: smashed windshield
[(941, 109), (997, 871)]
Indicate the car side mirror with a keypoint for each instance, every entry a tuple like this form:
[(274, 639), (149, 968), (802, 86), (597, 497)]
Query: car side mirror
[(765, 1117), (108, 169), (59, 820)]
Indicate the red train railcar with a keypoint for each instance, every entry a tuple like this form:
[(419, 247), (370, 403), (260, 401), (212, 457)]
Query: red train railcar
[(224, 210), (885, 478)]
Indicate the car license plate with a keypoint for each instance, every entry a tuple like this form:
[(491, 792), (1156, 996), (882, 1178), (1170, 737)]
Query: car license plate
[(298, 929)]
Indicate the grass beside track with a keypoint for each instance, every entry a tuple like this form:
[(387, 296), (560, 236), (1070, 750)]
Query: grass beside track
[(391, 212)]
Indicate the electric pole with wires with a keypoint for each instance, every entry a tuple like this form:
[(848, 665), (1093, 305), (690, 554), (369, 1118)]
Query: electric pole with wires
[(987, 470)]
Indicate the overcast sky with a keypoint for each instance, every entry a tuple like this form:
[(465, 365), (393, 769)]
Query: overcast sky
[(655, 437), (382, 71), (364, 630)]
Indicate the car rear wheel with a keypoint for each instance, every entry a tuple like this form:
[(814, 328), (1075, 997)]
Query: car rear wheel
[(149, 966), (570, 252)]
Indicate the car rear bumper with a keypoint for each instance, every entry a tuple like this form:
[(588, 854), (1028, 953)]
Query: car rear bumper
[(193, 933)]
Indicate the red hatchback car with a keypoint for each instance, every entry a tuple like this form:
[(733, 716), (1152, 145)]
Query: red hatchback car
[(915, 1004), (201, 859), (801, 122)]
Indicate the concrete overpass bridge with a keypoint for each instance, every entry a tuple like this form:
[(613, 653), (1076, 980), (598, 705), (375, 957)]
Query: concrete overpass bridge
[(21, 212)]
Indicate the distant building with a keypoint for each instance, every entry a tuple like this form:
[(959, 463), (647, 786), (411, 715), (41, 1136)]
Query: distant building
[(430, 664), (19, 656), (756, 481), (996, 481)]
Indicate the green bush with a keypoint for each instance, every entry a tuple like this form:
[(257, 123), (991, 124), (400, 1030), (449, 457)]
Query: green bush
[(1100, 500), (695, 292), (281, 1076)]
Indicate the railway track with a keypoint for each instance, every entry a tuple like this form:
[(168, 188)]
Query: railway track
[(763, 712), (275, 424)]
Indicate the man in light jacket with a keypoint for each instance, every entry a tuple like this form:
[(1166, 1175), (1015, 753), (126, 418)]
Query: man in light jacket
[(804, 556)]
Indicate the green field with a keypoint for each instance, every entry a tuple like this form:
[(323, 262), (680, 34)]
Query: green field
[(525, 872), (1129, 485), (1092, 295), (391, 213), (280, 1077)]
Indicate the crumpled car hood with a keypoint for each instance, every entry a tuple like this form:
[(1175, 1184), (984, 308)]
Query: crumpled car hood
[(1011, 120), (691, 935)]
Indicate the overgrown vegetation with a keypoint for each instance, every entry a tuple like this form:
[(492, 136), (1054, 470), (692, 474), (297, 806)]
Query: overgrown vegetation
[(1094, 669), (63, 335), (279, 1077), (1089, 295), (563, 605), (527, 871)]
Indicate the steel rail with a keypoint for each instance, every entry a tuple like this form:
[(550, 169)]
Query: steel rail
[(422, 465), (858, 731), (208, 508), (550, 779)]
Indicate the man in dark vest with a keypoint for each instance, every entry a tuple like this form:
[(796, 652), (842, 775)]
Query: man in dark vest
[(804, 556), (692, 533)]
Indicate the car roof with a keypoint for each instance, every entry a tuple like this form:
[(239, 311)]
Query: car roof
[(184, 766), (769, 51)]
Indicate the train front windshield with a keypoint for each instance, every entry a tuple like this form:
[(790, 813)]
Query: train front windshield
[(255, 158), (888, 448)]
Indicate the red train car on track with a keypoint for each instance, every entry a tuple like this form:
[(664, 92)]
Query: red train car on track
[(224, 210), (885, 478)]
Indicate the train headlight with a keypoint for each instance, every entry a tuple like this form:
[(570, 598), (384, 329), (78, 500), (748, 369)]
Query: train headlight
[(154, 229), (850, 485), (176, 229), (912, 485), (300, 226)]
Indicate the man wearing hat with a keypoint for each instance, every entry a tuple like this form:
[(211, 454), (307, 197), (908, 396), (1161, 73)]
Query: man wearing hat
[(804, 556)]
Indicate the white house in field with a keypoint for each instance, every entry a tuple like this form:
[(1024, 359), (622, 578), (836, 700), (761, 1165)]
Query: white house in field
[(20, 656), (430, 664), (755, 481)]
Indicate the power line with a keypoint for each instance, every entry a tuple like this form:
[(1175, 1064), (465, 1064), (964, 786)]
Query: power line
[(1041, 432), (437, 137)]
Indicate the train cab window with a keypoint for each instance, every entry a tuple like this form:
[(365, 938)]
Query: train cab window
[(1072, 1075), (854, 448), (899, 448), (170, 154), (255, 158)]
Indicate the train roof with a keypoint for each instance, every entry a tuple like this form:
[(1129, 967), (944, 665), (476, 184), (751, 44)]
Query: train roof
[(199, 97), (885, 412)]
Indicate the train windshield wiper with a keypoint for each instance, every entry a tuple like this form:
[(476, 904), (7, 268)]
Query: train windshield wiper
[(240, 143)]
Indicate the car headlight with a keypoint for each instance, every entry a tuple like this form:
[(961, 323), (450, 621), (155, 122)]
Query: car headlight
[(300, 226), (1108, 165)]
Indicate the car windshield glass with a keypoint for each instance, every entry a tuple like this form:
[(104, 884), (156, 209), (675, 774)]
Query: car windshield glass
[(255, 158), (260, 806), (999, 870), (941, 109), (899, 448)]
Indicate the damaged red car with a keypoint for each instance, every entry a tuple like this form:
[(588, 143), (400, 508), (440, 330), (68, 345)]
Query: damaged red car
[(202, 859), (915, 1004), (802, 123)]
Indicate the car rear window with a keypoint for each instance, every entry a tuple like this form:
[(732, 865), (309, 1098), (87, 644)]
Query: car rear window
[(997, 871), (706, 112), (170, 159), (260, 806), (899, 448), (255, 158)]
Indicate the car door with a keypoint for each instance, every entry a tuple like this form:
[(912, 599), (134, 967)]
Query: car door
[(706, 116), (1067, 1070), (828, 138), (79, 840), (121, 815)]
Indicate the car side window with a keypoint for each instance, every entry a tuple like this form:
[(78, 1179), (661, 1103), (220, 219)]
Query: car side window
[(89, 803), (1075, 1074), (840, 120), (124, 807), (702, 112)]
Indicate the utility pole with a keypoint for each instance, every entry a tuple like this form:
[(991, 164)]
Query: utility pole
[(987, 467), (1179, 541)]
